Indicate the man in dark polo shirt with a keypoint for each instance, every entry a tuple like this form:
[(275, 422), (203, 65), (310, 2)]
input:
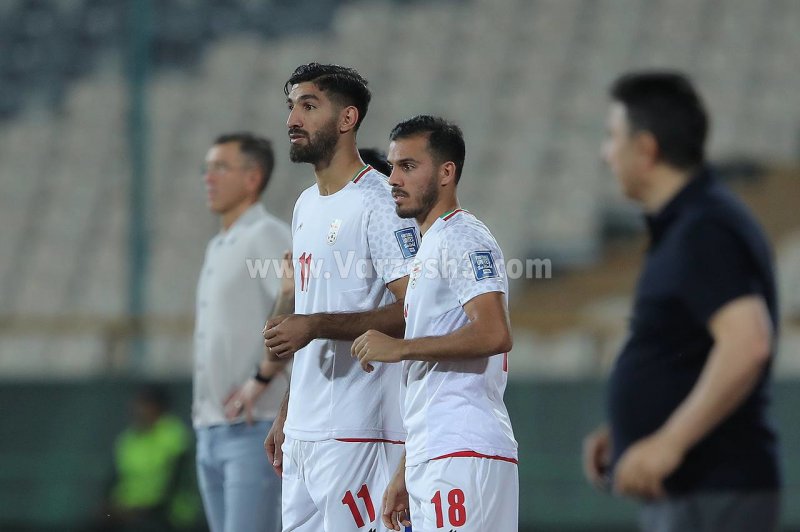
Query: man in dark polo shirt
[(689, 434)]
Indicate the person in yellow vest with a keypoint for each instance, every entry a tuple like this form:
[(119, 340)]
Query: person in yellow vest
[(150, 462)]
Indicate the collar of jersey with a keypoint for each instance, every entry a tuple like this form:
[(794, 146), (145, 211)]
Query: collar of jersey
[(446, 216), (442, 220), (353, 181), (361, 173), (252, 214)]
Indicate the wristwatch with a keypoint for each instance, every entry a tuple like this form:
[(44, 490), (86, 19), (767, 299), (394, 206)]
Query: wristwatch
[(261, 378)]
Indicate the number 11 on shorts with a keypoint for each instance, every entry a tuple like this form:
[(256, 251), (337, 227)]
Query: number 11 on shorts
[(456, 512), (350, 501)]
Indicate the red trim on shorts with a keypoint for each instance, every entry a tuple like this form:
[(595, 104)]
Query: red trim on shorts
[(473, 454), (369, 440), (358, 176)]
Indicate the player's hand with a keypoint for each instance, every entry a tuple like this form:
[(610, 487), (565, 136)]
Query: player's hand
[(273, 445), (395, 503), (286, 334), (378, 347), (643, 467), (287, 279), (243, 399), (597, 458)]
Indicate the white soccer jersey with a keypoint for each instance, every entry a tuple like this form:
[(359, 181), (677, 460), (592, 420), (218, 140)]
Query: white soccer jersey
[(347, 247), (454, 407)]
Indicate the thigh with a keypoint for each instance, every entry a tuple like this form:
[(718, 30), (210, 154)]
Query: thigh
[(738, 511), (298, 509), (252, 490), (210, 480), (347, 481), (669, 515), (468, 494), (713, 512)]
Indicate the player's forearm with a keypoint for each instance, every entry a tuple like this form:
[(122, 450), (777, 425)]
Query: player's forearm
[(284, 408), (473, 340), (350, 325), (401, 466), (730, 374), (270, 367), (284, 304)]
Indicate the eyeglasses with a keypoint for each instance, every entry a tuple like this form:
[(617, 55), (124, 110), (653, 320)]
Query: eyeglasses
[(221, 168)]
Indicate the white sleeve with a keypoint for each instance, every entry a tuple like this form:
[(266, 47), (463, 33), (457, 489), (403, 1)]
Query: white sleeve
[(393, 241), (475, 263)]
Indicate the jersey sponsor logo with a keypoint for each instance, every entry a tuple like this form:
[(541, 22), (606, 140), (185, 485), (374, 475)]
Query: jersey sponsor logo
[(333, 231), (483, 265), (407, 238)]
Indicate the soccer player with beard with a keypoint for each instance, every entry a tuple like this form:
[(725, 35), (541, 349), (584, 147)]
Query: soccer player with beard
[(460, 465), (343, 428)]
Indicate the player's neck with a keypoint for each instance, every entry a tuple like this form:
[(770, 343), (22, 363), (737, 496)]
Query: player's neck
[(229, 217), (665, 185), (440, 209), (334, 175)]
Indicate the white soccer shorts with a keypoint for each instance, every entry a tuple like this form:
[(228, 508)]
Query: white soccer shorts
[(464, 494), (335, 486)]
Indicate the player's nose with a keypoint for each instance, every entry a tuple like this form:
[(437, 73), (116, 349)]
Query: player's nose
[(394, 178), (293, 120)]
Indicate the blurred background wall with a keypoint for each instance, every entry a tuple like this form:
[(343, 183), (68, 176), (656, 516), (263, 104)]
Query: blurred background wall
[(108, 106)]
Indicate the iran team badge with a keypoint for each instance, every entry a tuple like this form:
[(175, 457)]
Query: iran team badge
[(415, 272), (333, 231)]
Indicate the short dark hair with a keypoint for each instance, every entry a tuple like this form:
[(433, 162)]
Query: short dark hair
[(344, 85), (665, 104), (445, 140), (376, 159), (154, 394), (258, 149)]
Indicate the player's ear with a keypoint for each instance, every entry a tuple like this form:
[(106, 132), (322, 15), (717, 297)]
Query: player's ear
[(348, 119), (253, 179), (647, 147), (447, 173)]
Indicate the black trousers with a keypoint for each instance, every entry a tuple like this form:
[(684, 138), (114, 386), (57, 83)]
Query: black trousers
[(733, 511)]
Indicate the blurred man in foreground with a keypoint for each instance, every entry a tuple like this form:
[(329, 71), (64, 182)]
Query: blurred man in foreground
[(689, 434)]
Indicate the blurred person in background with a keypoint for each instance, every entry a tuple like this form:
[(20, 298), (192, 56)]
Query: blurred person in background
[(689, 434), (237, 389), (149, 492), (376, 159)]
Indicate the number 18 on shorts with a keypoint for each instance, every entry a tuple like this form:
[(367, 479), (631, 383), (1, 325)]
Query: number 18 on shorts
[(464, 495)]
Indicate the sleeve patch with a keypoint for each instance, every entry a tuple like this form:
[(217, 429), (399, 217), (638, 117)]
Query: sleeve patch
[(407, 239), (483, 265)]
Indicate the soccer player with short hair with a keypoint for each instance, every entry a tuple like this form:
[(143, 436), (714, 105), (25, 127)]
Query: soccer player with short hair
[(460, 466), (343, 427)]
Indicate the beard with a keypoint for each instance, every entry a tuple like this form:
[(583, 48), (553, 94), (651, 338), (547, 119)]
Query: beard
[(426, 202), (319, 147)]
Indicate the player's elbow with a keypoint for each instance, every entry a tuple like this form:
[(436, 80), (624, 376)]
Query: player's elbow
[(503, 342), (759, 347)]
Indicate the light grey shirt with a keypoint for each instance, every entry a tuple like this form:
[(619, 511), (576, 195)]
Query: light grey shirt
[(234, 300)]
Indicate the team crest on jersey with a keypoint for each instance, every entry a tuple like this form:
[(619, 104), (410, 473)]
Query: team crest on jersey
[(407, 238), (414, 272), (483, 265), (333, 231)]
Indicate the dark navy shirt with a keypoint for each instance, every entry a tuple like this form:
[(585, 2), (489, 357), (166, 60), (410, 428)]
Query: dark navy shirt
[(706, 250)]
